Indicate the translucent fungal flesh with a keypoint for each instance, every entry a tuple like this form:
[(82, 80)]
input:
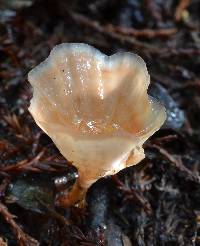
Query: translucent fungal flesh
[(95, 108)]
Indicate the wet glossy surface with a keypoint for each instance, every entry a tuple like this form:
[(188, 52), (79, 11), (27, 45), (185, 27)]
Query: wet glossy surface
[(95, 108)]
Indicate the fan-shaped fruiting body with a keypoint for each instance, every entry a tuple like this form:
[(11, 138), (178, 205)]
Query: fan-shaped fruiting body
[(95, 108)]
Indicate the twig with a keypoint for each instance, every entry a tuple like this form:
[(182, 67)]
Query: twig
[(25, 164), (3, 186), (183, 4), (177, 162), (147, 33), (79, 18), (190, 84), (164, 139), (131, 41), (154, 10), (22, 132), (22, 238), (61, 219), (133, 194)]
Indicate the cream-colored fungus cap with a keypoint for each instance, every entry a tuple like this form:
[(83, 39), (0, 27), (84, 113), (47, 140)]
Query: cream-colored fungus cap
[(95, 108)]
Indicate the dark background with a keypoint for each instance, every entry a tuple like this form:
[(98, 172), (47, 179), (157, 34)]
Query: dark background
[(156, 202)]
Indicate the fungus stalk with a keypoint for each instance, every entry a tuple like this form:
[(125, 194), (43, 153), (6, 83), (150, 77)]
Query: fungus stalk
[(96, 110)]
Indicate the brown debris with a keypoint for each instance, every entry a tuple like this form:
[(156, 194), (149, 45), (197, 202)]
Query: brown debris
[(22, 238), (132, 194), (23, 165), (95, 25), (177, 162), (4, 184), (154, 10), (146, 33), (155, 202), (124, 39), (22, 132)]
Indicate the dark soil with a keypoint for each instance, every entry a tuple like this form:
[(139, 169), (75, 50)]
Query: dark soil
[(156, 202)]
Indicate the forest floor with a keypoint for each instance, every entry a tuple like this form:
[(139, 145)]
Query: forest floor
[(156, 202)]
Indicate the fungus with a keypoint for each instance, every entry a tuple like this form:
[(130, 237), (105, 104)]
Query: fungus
[(96, 110)]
